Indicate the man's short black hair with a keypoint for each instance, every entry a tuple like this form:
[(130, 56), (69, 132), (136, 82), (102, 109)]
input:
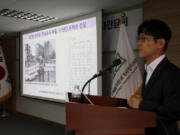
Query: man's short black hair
[(157, 29)]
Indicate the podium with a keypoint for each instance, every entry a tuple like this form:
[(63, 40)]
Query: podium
[(106, 117)]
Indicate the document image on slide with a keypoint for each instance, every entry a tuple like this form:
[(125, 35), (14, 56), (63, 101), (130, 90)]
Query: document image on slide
[(40, 61)]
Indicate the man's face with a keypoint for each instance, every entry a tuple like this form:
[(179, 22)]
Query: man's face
[(147, 46)]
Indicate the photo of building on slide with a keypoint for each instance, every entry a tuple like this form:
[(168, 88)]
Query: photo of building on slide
[(40, 62)]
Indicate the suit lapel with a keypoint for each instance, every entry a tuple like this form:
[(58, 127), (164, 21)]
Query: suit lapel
[(154, 76), (143, 84)]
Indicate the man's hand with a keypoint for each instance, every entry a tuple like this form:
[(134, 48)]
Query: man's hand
[(134, 101)]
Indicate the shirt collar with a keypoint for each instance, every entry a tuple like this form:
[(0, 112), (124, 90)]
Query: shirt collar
[(154, 63)]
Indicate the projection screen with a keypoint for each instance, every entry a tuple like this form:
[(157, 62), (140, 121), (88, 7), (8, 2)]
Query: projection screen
[(56, 58)]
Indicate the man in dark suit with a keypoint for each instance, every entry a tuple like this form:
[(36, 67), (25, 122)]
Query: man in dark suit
[(161, 83)]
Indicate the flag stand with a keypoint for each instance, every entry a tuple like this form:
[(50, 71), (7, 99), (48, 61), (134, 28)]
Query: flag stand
[(4, 111)]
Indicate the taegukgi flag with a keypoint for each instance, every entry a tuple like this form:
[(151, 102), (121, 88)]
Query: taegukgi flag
[(127, 77), (5, 85)]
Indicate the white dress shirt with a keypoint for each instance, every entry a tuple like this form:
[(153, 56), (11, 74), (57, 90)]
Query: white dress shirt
[(152, 66)]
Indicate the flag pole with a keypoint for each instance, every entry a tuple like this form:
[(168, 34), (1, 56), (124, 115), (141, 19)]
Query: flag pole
[(3, 101), (122, 21), (4, 111)]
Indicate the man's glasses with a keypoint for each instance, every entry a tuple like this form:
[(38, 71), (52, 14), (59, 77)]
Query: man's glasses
[(144, 38)]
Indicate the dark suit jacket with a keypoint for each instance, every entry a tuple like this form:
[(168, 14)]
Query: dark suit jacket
[(162, 95)]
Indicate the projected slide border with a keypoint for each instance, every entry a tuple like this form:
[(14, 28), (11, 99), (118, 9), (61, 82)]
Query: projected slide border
[(47, 71)]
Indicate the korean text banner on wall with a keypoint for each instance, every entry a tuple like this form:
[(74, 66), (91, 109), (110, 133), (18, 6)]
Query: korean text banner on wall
[(111, 22)]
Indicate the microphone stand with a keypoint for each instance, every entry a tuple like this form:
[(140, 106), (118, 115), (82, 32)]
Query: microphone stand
[(89, 88), (100, 73), (88, 82), (94, 76)]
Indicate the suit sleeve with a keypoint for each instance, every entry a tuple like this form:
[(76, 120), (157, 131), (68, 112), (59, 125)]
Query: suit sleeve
[(170, 109)]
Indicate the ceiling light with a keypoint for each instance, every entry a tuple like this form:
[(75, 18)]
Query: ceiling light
[(26, 16)]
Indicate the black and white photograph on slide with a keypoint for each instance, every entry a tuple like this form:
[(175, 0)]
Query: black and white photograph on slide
[(40, 62)]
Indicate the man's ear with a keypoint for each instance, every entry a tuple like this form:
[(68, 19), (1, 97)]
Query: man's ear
[(161, 43)]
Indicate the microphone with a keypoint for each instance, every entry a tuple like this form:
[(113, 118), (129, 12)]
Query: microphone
[(108, 68), (103, 71)]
